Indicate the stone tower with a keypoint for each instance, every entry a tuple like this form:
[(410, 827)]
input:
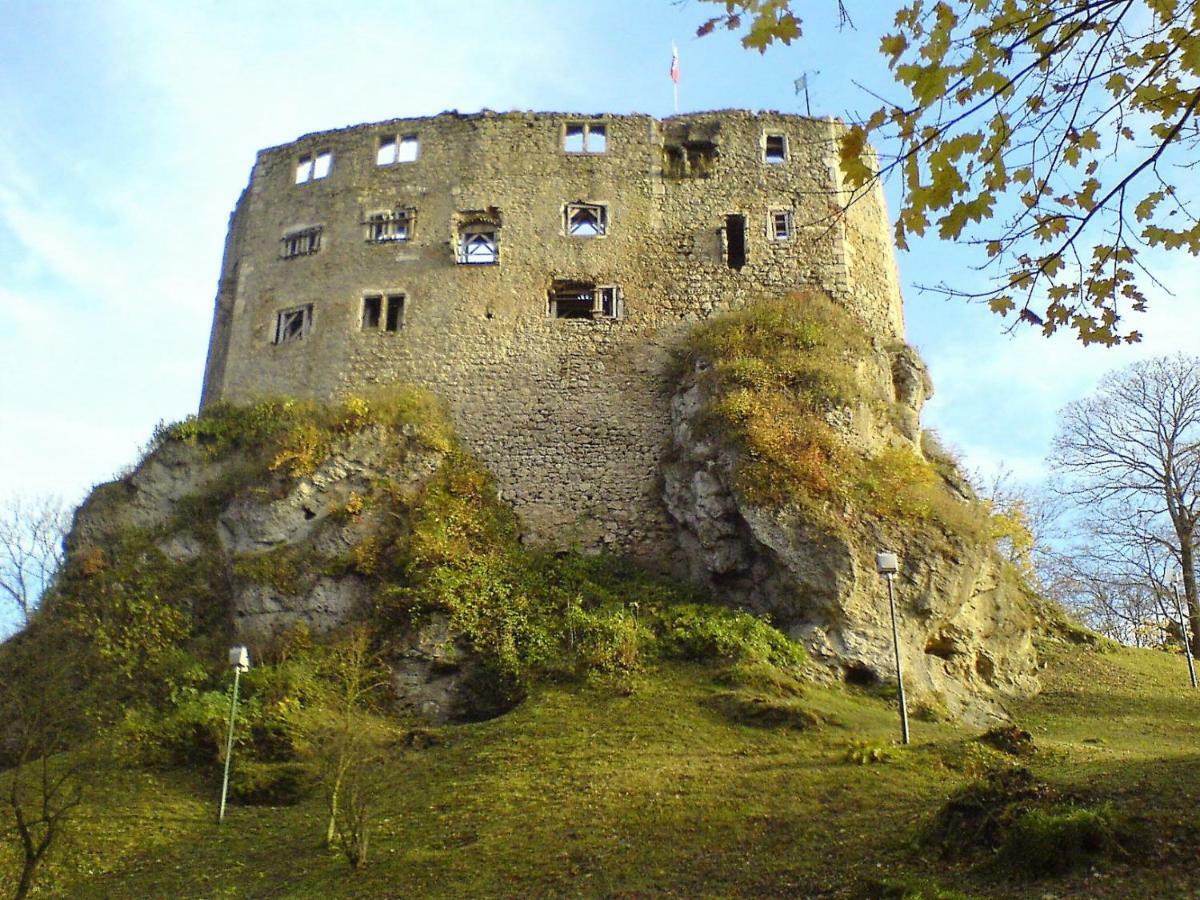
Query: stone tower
[(535, 270)]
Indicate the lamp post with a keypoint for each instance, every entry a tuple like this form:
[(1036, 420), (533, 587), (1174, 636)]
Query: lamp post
[(1183, 628), (887, 565), (239, 659)]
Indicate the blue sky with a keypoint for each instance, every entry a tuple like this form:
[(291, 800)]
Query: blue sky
[(130, 128)]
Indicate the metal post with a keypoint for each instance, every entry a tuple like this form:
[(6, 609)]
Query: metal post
[(899, 673), (1183, 633), (237, 671)]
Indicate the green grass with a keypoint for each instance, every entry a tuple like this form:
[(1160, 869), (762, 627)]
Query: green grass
[(658, 790)]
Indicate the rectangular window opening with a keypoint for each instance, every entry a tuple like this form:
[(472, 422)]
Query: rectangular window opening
[(478, 245), (372, 307), (395, 313), (408, 149), (781, 224), (386, 154), (584, 300), (776, 148), (735, 241), (293, 324), (304, 168), (322, 163), (585, 137), (586, 219), (394, 225), (301, 243)]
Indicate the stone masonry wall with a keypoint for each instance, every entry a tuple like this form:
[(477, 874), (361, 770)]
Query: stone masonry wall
[(572, 415)]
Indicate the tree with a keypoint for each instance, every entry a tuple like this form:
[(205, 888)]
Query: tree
[(31, 549), (347, 743), (43, 715), (1052, 135), (1130, 456)]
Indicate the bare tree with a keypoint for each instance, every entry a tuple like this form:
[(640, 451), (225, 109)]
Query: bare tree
[(1128, 458), (31, 549)]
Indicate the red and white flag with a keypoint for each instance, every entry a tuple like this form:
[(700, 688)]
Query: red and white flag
[(674, 63)]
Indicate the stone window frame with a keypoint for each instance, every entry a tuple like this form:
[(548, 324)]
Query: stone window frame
[(400, 146), (301, 242), (390, 226), (781, 224), (784, 151), (386, 315), (581, 206), (314, 166), (293, 324), (608, 302), (586, 129), (472, 224)]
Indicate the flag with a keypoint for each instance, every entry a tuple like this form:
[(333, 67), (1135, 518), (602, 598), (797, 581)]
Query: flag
[(802, 83), (674, 63)]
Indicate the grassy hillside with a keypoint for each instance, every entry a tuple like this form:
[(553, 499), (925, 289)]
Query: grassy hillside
[(681, 785)]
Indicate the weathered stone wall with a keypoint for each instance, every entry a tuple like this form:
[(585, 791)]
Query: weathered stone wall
[(572, 415)]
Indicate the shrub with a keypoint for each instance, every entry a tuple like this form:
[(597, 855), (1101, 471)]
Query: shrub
[(1056, 840), (866, 753), (270, 783)]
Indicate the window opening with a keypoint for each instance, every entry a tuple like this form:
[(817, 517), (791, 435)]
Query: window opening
[(372, 306), (585, 137), (394, 225), (735, 241), (408, 149), (586, 219), (781, 224), (478, 245), (293, 324), (386, 155), (392, 150), (776, 149), (301, 243), (304, 169), (380, 310), (322, 163), (584, 300)]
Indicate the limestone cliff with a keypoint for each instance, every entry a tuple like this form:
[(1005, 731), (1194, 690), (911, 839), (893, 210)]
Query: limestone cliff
[(767, 533)]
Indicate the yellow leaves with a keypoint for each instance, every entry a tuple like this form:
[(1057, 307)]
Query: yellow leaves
[(926, 83), (851, 153), (1116, 84), (1164, 9), (1086, 196), (1002, 306), (994, 248), (1189, 56), (893, 45), (1145, 209), (1090, 139)]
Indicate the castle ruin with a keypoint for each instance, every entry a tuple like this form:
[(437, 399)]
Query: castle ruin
[(535, 270)]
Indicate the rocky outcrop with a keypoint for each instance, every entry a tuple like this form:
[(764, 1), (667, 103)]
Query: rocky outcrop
[(965, 624)]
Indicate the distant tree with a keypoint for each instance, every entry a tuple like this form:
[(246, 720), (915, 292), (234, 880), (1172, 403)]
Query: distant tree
[(1057, 137), (31, 550), (1129, 458)]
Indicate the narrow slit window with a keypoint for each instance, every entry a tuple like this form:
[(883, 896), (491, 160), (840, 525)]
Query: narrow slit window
[(393, 225), (781, 224), (585, 137), (735, 241), (586, 219), (301, 243), (584, 300), (293, 324), (776, 148)]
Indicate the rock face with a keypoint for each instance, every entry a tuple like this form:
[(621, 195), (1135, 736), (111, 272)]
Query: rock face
[(965, 626), (279, 546)]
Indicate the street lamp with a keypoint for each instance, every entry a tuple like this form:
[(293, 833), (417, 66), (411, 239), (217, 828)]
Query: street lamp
[(887, 565), (239, 659), (1183, 627)]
